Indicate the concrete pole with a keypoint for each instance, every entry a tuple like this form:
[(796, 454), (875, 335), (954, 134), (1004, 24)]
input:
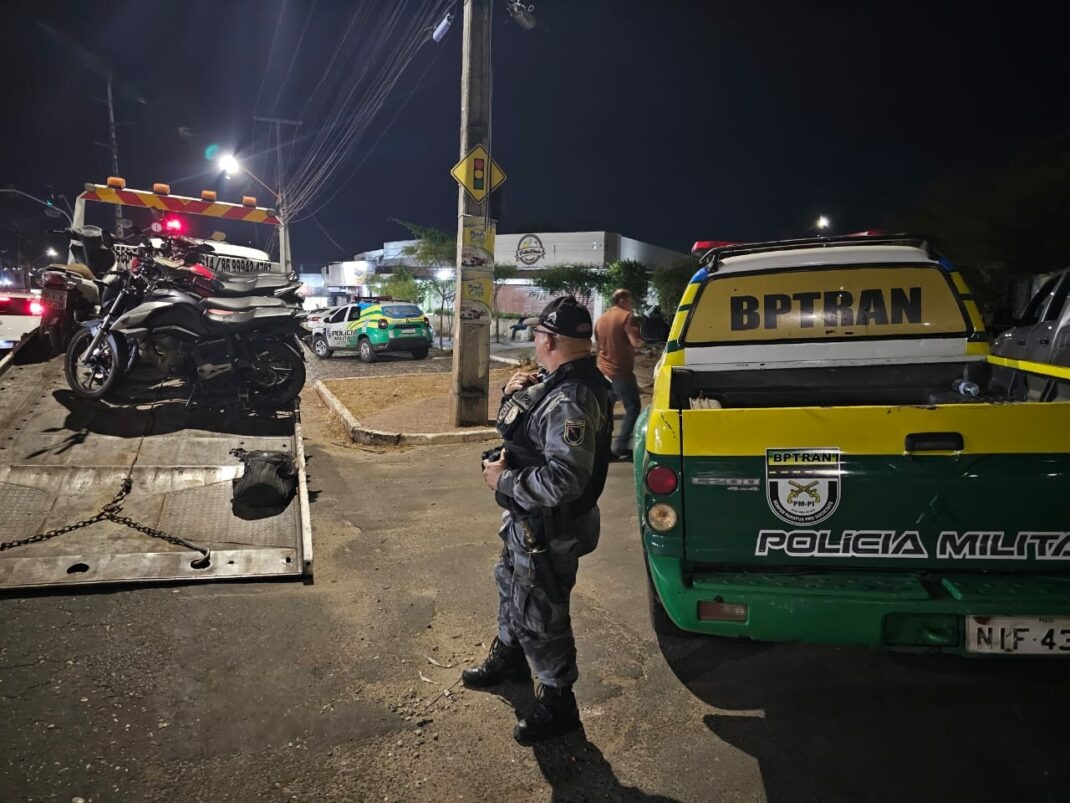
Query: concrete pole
[(285, 260), (471, 339)]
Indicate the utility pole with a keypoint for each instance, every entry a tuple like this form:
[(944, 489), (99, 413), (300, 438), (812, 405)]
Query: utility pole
[(471, 338), (284, 224)]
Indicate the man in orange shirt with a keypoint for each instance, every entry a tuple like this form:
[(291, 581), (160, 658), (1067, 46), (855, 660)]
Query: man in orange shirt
[(617, 333)]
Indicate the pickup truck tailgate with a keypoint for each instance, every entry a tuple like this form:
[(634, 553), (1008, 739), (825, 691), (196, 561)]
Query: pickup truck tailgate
[(964, 486)]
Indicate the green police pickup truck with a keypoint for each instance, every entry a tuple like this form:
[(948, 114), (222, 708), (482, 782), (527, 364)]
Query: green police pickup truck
[(371, 327), (831, 456)]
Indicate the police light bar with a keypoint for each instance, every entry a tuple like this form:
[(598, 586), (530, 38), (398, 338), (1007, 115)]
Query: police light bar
[(702, 246)]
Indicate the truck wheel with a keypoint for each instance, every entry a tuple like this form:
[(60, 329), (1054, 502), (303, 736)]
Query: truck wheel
[(320, 348), (419, 354), (365, 350)]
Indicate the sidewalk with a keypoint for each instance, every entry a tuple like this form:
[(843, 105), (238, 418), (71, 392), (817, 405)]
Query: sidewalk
[(410, 409)]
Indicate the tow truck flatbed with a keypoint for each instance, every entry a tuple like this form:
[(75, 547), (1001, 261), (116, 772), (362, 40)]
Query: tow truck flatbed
[(62, 458)]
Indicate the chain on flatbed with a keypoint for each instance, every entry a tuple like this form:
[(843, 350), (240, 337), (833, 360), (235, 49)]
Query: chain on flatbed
[(110, 512)]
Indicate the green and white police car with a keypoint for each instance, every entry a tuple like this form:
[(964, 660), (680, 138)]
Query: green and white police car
[(371, 327)]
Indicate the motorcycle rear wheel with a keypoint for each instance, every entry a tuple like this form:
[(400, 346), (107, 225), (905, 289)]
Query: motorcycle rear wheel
[(99, 378), (276, 377)]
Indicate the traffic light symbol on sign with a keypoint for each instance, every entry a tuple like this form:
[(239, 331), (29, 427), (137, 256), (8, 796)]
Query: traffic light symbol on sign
[(478, 174)]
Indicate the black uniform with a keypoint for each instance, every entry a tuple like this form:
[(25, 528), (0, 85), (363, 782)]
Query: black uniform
[(557, 438)]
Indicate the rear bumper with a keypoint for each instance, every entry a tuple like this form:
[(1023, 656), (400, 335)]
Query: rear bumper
[(402, 344), (891, 610)]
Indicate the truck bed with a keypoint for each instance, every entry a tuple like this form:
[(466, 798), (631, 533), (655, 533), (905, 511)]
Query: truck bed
[(62, 458)]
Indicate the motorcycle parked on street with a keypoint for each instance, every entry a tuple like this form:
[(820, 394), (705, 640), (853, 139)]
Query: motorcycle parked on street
[(72, 293), (238, 349)]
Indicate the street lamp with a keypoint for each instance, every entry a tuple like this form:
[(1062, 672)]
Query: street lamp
[(50, 209), (230, 166), (52, 252), (822, 223)]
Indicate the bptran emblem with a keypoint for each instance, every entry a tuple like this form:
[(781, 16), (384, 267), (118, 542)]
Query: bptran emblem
[(802, 486)]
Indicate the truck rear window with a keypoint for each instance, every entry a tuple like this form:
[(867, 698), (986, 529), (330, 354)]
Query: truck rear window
[(826, 304), (402, 311)]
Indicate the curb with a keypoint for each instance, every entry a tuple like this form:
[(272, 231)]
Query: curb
[(374, 437), (506, 360)]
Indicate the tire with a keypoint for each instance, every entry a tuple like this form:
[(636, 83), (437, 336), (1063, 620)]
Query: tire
[(320, 348), (99, 379), (365, 350), (277, 375), (420, 354)]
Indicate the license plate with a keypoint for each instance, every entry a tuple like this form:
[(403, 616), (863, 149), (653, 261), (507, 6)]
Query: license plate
[(1018, 635), (408, 331), (56, 299)]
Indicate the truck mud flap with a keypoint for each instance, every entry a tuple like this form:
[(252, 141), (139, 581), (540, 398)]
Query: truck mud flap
[(62, 459)]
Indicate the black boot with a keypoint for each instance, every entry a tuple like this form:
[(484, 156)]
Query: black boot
[(503, 662), (555, 714)]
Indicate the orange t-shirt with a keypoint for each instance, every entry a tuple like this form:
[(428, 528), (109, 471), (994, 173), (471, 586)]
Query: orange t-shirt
[(616, 354)]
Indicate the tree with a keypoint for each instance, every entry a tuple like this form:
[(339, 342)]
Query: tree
[(437, 251), (580, 281), (630, 275), (669, 283), (999, 226), (400, 285), (503, 272)]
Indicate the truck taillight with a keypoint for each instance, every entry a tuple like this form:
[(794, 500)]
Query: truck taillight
[(35, 307), (661, 480), (383, 323), (427, 321)]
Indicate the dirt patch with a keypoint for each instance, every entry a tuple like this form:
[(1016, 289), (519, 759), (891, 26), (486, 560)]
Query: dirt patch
[(406, 403)]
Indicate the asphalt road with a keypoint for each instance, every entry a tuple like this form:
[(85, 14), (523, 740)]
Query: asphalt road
[(335, 691)]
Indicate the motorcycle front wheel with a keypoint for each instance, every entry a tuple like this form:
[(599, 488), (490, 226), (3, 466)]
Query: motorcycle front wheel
[(93, 376), (276, 376)]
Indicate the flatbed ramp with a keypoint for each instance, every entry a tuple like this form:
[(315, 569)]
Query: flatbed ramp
[(62, 459)]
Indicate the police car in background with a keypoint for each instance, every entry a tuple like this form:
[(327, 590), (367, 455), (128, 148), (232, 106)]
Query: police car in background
[(371, 326)]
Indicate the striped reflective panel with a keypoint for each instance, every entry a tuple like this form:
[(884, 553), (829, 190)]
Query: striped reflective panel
[(179, 204)]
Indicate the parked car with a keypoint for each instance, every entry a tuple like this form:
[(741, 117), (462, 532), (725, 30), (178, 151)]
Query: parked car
[(20, 315), (1042, 333), (372, 327)]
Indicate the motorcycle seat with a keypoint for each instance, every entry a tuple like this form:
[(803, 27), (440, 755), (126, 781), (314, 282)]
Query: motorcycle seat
[(262, 281), (76, 267), (252, 318), (241, 303)]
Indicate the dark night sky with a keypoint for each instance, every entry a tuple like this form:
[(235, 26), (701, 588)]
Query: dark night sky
[(665, 120)]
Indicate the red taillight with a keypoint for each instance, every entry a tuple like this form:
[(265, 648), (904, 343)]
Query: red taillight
[(661, 480), (135, 263), (427, 321), (35, 307), (202, 271), (383, 324)]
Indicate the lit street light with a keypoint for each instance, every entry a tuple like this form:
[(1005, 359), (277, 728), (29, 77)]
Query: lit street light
[(52, 252), (230, 165), (822, 223)]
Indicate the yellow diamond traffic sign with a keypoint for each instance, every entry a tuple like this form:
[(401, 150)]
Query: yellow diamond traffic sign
[(478, 173)]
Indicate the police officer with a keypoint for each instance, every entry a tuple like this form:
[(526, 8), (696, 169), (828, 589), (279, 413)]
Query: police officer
[(557, 428)]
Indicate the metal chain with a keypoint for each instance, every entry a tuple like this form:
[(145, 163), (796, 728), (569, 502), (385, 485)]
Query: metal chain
[(109, 512)]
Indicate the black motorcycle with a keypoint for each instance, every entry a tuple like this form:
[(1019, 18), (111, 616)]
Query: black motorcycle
[(226, 348)]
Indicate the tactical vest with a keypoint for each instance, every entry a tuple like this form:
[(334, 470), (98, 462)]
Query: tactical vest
[(517, 409)]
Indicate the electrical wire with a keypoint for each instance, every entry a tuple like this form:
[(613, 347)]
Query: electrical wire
[(367, 153), (327, 234), (359, 78)]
